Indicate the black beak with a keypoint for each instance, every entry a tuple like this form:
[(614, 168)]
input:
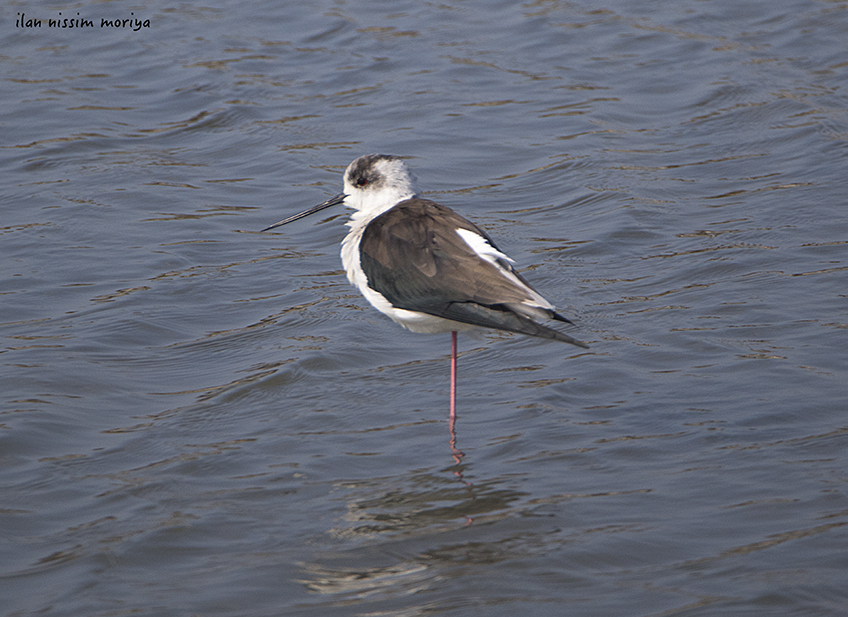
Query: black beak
[(334, 201)]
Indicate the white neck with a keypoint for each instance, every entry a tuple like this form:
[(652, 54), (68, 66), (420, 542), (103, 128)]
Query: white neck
[(368, 207)]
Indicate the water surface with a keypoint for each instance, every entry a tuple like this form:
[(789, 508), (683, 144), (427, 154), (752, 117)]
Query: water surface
[(202, 419)]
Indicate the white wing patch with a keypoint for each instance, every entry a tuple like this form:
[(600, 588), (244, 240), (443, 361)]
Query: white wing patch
[(481, 246), (486, 251)]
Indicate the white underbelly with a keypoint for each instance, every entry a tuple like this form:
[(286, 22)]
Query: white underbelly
[(411, 320), (422, 322)]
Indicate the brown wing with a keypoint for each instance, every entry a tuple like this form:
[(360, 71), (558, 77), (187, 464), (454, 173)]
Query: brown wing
[(413, 256)]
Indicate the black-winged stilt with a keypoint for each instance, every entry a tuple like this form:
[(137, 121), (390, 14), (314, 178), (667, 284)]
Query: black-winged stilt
[(425, 266)]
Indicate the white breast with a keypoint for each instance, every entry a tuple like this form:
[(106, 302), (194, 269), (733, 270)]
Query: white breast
[(411, 320)]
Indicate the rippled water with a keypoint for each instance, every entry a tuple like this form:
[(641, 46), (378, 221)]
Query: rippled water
[(199, 419)]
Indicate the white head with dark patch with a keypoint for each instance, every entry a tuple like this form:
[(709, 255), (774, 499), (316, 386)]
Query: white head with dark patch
[(372, 184), (375, 182)]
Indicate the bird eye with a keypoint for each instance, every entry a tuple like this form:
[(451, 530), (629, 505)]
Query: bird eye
[(361, 182)]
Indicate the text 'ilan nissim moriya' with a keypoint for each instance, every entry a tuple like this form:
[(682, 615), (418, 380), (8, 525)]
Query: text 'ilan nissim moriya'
[(81, 22)]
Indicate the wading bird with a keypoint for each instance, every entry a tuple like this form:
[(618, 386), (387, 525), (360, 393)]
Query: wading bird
[(425, 266)]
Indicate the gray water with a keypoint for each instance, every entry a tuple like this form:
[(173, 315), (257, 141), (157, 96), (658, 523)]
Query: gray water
[(200, 419)]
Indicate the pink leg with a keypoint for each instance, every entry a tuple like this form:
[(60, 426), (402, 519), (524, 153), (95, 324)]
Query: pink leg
[(453, 377), (457, 454)]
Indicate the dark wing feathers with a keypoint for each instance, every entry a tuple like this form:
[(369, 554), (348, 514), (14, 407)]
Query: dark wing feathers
[(479, 315), (443, 276)]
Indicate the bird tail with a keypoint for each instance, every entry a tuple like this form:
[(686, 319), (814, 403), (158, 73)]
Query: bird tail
[(486, 317)]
